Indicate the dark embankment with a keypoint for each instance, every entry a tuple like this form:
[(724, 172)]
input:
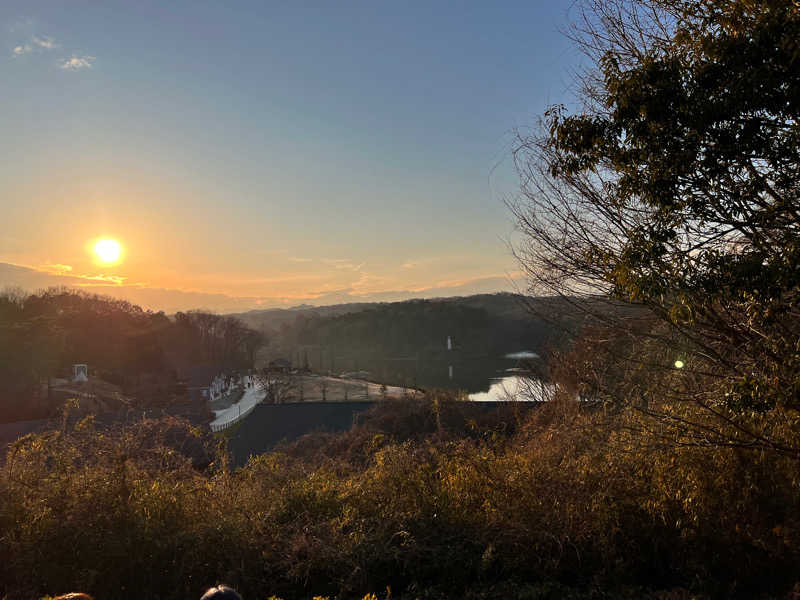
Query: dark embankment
[(270, 424), (404, 343)]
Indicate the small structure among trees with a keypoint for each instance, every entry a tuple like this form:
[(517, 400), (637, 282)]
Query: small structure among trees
[(80, 373), (280, 364)]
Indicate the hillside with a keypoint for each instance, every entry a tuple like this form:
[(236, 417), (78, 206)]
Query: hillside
[(136, 358), (352, 335)]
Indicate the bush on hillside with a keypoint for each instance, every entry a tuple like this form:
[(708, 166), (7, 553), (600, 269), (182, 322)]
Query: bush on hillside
[(571, 505)]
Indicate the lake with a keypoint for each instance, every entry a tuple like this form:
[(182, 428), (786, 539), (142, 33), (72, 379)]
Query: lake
[(485, 378)]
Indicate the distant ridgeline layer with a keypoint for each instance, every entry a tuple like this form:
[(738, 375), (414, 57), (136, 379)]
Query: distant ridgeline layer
[(353, 337)]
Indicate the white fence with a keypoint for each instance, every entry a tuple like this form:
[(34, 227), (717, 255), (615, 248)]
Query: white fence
[(222, 385), (219, 426), (233, 414)]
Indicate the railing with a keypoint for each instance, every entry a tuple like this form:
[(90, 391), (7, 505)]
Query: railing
[(232, 415), (238, 417)]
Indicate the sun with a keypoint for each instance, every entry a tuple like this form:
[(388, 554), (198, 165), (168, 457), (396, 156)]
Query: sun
[(108, 251)]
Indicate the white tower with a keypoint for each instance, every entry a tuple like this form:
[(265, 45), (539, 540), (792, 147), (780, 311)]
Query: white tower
[(80, 373)]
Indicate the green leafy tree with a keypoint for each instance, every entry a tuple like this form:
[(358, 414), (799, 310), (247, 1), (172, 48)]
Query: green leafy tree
[(668, 208)]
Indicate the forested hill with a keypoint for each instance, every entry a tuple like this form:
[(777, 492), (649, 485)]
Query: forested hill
[(136, 358), (480, 325)]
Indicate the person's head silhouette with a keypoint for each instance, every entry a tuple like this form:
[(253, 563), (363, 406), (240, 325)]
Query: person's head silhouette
[(221, 592)]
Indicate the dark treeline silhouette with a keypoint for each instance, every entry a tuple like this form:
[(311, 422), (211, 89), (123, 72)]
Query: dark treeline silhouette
[(142, 355), (330, 339)]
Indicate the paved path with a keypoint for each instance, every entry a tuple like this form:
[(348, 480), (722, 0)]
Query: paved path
[(357, 389), (252, 396)]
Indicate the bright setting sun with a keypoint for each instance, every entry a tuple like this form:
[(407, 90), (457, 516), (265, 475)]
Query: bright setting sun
[(108, 251)]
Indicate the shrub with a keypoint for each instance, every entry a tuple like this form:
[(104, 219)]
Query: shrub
[(568, 503)]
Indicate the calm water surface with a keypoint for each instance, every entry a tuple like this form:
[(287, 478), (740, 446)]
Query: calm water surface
[(491, 378)]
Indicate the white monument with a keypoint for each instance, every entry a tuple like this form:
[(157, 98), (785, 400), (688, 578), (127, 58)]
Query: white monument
[(80, 373)]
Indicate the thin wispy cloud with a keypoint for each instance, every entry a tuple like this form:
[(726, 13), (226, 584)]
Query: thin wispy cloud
[(77, 63), (368, 288), (343, 264), (370, 283), (93, 280), (45, 42), (67, 271), (56, 268), (36, 42)]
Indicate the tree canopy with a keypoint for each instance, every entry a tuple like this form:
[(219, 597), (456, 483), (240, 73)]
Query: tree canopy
[(676, 189), (42, 335)]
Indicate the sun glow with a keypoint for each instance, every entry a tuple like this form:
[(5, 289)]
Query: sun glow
[(108, 251)]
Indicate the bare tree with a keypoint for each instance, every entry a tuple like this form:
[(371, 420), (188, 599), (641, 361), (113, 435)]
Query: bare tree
[(664, 216), (279, 385)]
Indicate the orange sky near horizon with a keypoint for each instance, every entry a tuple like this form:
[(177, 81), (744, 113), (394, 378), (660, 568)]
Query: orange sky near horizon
[(278, 162), (200, 252)]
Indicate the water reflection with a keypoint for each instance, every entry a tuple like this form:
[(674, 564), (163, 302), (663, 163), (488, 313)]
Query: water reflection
[(482, 377), (519, 387), (515, 388), (523, 355)]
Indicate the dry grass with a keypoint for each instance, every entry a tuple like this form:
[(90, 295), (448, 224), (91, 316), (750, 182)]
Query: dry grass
[(422, 499)]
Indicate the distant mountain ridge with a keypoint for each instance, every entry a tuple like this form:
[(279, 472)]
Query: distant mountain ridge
[(501, 304), (170, 301), (391, 339)]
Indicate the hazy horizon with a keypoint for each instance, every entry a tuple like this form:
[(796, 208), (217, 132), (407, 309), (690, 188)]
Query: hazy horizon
[(269, 154), (170, 300)]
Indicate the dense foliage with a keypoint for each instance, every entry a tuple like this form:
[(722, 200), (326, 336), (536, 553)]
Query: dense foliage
[(550, 503), (677, 190), (479, 326)]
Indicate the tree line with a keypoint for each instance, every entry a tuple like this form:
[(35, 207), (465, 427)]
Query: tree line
[(43, 334), (478, 326)]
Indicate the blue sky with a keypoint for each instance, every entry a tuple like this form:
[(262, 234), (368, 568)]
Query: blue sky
[(271, 152)]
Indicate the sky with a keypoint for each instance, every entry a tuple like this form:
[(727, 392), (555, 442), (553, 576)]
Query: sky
[(258, 154)]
